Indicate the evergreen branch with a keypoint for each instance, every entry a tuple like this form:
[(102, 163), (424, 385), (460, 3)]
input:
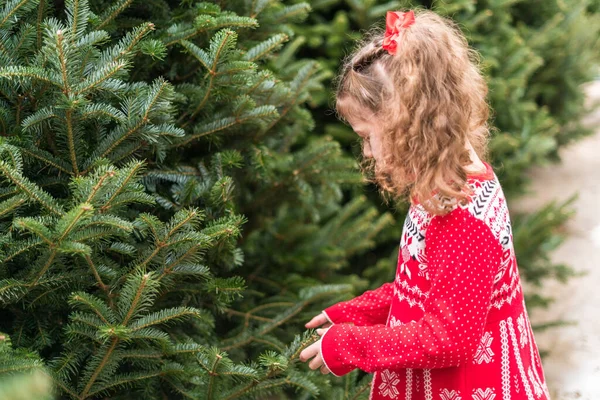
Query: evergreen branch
[(41, 115), (212, 374), (87, 319), (84, 331), (263, 48), (157, 249), (100, 76), (71, 140), (179, 388), (101, 284), (113, 12), (21, 247), (186, 348), (36, 227), (95, 305), (281, 319), (152, 223), (247, 316), (224, 42), (8, 206), (227, 122), (252, 385), (43, 294), (126, 380), (157, 91), (11, 8), (151, 334), (47, 158), (44, 268), (225, 22), (129, 152), (11, 289), (12, 71), (30, 189), (102, 110), (301, 80), (19, 365), (198, 53), (110, 173), (298, 11), (143, 354), (14, 156), (136, 298), (126, 45), (188, 216), (58, 382), (94, 234), (99, 368), (70, 220), (110, 221), (63, 63), (22, 40), (250, 313), (65, 364), (163, 316), (73, 10), (133, 171), (169, 269), (39, 19)]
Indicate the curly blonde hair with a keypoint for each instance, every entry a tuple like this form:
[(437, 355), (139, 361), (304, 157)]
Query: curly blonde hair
[(429, 97)]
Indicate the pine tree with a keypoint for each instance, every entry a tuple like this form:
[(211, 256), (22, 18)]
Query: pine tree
[(137, 143)]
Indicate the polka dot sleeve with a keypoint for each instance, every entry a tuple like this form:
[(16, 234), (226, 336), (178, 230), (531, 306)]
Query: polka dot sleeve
[(371, 307), (463, 257)]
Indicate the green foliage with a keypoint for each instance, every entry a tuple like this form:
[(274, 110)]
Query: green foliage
[(136, 145)]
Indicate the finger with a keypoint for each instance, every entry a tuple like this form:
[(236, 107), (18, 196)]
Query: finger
[(324, 369), (315, 362), (316, 321), (308, 352)]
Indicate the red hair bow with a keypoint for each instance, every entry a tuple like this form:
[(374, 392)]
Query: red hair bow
[(394, 22)]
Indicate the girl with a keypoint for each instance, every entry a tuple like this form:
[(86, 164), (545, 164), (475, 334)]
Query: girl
[(453, 324)]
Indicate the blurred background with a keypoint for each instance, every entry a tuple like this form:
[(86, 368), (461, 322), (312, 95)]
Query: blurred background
[(177, 197), (572, 362)]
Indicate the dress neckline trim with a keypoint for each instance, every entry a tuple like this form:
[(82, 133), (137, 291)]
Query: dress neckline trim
[(482, 176)]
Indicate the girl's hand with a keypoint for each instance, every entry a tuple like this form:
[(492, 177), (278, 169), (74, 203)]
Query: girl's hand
[(318, 321), (313, 350)]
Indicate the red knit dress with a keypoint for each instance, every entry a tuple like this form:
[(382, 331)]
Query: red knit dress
[(453, 324)]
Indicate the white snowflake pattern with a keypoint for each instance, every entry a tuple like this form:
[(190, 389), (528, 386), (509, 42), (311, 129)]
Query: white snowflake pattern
[(389, 380), (404, 269), (487, 394), (450, 395), (537, 387), (395, 322), (523, 337), (484, 353)]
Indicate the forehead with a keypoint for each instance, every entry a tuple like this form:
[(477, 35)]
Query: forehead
[(353, 113)]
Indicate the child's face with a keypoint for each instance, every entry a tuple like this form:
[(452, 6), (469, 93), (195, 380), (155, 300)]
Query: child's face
[(370, 130)]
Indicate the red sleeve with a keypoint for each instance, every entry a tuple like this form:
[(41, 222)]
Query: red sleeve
[(463, 257), (370, 308)]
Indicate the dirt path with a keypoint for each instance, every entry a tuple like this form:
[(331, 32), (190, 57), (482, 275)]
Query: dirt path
[(573, 367)]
